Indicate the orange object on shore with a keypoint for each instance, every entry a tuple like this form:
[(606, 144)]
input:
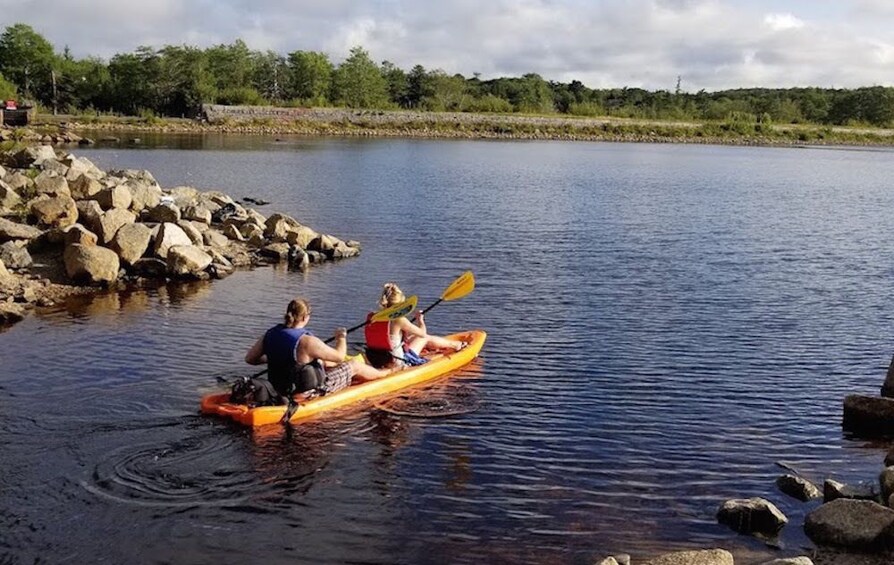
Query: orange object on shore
[(439, 363)]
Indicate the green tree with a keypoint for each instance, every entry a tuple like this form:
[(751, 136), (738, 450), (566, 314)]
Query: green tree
[(358, 82), (398, 85), (310, 77), (270, 75), (27, 59), (135, 81), (230, 66), (7, 89), (184, 82), (419, 87), (447, 93)]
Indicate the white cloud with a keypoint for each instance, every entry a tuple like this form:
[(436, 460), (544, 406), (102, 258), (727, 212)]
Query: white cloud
[(712, 44)]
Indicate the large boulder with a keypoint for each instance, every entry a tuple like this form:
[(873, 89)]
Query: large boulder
[(164, 212), (888, 386), (10, 230), (15, 256), (78, 166), (213, 238), (115, 197), (11, 313), (34, 155), (752, 516), (18, 182), (84, 187), (184, 196), (89, 214), (798, 487), (192, 232), (886, 482), (91, 264), (55, 211), (131, 242), (199, 213), (168, 236), (134, 174), (112, 221), (869, 415), (79, 234), (698, 557), (301, 236), (6, 278), (187, 260), (145, 196), (52, 184), (833, 490), (860, 525), (323, 243), (278, 226)]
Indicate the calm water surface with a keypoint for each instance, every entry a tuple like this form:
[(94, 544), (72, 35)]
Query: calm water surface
[(666, 322)]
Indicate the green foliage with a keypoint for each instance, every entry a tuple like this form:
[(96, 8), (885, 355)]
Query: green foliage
[(586, 109), (358, 82), (240, 96), (487, 103), (27, 59), (7, 89), (310, 75)]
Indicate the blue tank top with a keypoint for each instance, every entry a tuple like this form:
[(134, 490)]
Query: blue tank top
[(280, 347)]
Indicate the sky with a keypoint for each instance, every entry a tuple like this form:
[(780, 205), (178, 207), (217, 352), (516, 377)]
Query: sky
[(708, 44)]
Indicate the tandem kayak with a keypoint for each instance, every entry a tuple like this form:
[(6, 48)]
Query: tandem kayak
[(439, 363)]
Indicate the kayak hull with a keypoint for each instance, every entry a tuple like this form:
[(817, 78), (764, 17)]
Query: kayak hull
[(439, 364)]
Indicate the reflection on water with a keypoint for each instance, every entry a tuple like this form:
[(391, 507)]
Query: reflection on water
[(665, 323)]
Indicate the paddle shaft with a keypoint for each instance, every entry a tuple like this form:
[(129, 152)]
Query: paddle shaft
[(438, 301)]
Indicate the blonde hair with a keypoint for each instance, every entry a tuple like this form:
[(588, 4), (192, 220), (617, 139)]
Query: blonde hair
[(296, 311), (391, 295)]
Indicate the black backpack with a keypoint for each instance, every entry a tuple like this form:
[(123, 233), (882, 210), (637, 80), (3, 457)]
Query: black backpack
[(255, 391)]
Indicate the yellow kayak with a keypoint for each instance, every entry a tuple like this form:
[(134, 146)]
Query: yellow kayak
[(439, 363)]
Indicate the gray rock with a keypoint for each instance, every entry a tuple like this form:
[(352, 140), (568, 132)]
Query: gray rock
[(34, 155), (15, 256), (699, 557), (790, 561), (150, 267), (168, 236), (11, 313), (78, 166), (84, 187), (232, 232), (194, 235), (889, 457), (145, 196), (184, 196), (9, 198), (301, 236), (134, 174), (298, 258), (278, 226), (112, 221), (216, 197), (888, 386), (89, 214), (608, 561), (55, 211), (214, 238), (79, 234), (10, 230), (186, 260), (6, 278), (91, 264), (17, 181), (869, 416), (886, 482), (343, 251), (277, 251), (860, 525), (54, 185), (324, 244), (198, 213), (164, 212), (115, 197), (798, 487), (833, 490), (131, 242), (2, 173), (752, 515)]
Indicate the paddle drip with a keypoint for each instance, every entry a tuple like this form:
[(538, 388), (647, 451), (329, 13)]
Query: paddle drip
[(423, 404)]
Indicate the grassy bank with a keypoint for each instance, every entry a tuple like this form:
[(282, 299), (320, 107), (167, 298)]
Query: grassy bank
[(340, 122)]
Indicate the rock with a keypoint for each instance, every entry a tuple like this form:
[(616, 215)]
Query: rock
[(228, 212), (253, 232), (91, 264), (301, 236), (9, 198), (10, 230), (134, 174), (6, 278), (15, 256), (889, 457), (278, 226), (343, 251), (150, 267), (886, 482), (859, 525), (232, 232), (869, 415), (217, 197), (2, 173), (790, 561), (34, 155), (324, 244), (184, 196), (164, 212), (131, 242), (168, 236), (888, 386), (315, 256), (85, 188), (11, 313), (608, 561), (79, 234), (752, 515), (18, 182), (89, 214), (81, 166), (833, 490), (214, 238), (198, 213), (115, 197), (298, 258), (194, 235), (113, 220), (797, 487), (278, 251), (187, 260), (699, 557), (51, 184), (55, 167), (143, 195), (55, 211)]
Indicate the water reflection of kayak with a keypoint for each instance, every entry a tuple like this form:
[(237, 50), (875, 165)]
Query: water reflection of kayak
[(439, 363)]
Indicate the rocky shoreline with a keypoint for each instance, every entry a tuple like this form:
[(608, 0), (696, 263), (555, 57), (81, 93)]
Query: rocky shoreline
[(67, 227), (263, 120)]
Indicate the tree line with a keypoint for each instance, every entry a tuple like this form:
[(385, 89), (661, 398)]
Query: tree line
[(176, 80)]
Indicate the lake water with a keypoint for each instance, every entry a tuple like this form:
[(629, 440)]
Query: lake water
[(666, 322)]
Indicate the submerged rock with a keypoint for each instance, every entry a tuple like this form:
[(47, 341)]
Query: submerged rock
[(798, 487), (752, 515)]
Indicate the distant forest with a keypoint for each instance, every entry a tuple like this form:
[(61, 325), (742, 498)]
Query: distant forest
[(176, 80)]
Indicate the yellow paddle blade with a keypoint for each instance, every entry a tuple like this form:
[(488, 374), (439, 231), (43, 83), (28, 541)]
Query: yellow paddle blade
[(397, 311), (460, 287)]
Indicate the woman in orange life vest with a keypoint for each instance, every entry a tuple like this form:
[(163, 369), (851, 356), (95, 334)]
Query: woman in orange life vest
[(300, 362), (401, 341)]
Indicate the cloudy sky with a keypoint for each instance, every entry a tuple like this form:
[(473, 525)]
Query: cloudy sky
[(711, 44)]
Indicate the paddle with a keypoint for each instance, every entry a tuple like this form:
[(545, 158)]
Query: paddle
[(462, 286)]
